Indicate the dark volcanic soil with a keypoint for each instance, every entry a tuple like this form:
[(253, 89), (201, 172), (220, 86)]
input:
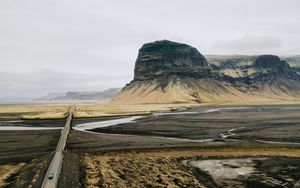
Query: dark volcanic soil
[(22, 146), (34, 148), (34, 123), (271, 123), (247, 172)]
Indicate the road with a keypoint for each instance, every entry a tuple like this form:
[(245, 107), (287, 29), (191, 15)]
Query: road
[(56, 163)]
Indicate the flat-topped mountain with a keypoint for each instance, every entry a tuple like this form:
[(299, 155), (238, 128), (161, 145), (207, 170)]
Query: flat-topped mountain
[(171, 72), (165, 58)]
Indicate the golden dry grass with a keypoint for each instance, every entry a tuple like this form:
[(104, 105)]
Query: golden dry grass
[(24, 108), (7, 170), (205, 152), (207, 91), (114, 109), (33, 111), (100, 114), (137, 172), (45, 115), (109, 110)]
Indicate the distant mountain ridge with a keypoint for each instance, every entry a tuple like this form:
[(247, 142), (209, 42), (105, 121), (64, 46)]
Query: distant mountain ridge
[(81, 96), (171, 72), (231, 61)]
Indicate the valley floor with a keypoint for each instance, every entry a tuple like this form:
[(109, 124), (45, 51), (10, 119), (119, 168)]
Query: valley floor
[(259, 144)]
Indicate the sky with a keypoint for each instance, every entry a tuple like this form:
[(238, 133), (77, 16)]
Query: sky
[(74, 45)]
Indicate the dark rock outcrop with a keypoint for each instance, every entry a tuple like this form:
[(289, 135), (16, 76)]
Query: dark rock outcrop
[(251, 69), (271, 63), (270, 67), (165, 58)]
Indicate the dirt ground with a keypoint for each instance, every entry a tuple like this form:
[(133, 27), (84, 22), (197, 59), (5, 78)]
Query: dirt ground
[(247, 172), (31, 174), (165, 168), (70, 175), (136, 172)]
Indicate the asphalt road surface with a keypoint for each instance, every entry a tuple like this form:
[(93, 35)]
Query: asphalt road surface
[(56, 163)]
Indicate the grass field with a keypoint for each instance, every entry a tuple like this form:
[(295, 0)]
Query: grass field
[(33, 111), (94, 110), (111, 110)]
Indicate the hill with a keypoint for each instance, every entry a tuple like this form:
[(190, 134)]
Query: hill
[(80, 96)]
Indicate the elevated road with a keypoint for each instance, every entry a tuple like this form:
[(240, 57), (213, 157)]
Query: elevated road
[(54, 169)]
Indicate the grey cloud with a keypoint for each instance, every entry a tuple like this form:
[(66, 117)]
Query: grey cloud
[(95, 37), (249, 44)]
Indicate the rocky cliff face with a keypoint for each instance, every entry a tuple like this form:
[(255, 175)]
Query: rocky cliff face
[(165, 58), (168, 72)]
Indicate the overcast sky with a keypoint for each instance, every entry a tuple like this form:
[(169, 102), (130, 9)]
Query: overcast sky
[(53, 46)]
